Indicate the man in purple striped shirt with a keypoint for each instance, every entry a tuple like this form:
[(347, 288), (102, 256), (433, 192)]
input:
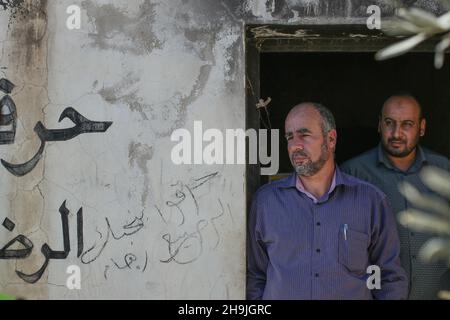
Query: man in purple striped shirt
[(315, 234)]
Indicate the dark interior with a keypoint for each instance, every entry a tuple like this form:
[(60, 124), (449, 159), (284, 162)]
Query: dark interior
[(354, 86)]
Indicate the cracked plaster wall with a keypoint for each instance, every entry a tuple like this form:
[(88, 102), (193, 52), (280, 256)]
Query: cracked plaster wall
[(152, 230)]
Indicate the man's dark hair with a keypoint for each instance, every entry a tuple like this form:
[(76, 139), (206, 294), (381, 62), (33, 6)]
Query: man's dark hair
[(406, 94)]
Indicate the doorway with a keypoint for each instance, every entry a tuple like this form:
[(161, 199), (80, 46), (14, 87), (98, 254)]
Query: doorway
[(335, 66)]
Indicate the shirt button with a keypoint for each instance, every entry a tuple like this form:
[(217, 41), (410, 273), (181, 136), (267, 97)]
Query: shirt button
[(318, 224), (316, 275), (412, 234), (318, 250)]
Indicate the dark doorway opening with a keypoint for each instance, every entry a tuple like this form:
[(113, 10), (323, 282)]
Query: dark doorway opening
[(354, 86), (335, 65)]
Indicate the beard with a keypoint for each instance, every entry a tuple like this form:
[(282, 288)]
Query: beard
[(399, 153), (309, 168)]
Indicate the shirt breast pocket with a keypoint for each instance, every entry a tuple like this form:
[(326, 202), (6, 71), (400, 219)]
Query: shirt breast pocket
[(353, 252)]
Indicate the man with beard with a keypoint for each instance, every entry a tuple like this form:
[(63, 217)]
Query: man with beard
[(399, 158), (315, 234)]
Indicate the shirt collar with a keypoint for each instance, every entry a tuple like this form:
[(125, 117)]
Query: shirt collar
[(300, 187), (420, 159), (339, 179)]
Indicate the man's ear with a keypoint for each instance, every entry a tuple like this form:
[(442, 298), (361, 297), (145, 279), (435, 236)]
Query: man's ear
[(379, 124), (423, 126), (332, 137)]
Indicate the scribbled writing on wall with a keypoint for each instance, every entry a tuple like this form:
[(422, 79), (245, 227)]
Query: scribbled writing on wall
[(130, 260), (186, 242), (27, 246), (81, 125), (186, 223)]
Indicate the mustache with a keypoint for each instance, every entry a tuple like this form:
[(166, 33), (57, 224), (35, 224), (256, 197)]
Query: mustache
[(396, 140), (300, 153)]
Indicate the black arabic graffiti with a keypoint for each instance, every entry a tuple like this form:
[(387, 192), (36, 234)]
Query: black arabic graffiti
[(9, 115), (82, 125), (49, 254)]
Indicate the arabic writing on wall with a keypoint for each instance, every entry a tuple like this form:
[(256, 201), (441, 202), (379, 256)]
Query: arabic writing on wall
[(188, 231), (8, 111), (8, 120)]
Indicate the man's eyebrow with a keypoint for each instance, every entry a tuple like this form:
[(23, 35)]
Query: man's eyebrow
[(403, 121), (303, 130)]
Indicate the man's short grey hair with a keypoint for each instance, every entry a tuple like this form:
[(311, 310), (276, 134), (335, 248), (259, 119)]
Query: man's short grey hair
[(328, 122)]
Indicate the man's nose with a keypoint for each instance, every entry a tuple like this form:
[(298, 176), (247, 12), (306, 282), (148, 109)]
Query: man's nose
[(297, 144), (396, 132)]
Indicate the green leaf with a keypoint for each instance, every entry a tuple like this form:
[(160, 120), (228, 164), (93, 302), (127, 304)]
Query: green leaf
[(400, 48), (437, 180), (421, 18), (444, 295), (423, 222), (444, 21), (400, 28), (440, 51), (6, 297), (435, 250), (427, 202)]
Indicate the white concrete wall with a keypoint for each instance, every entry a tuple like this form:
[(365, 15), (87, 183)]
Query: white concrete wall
[(150, 68)]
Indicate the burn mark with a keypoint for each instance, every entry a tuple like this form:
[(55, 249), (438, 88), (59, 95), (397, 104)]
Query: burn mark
[(115, 30), (123, 92), (11, 4), (164, 117), (28, 28), (140, 154)]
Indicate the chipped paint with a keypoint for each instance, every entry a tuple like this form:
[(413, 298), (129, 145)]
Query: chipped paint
[(269, 32), (355, 35)]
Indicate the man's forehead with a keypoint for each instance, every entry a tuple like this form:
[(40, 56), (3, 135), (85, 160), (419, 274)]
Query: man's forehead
[(302, 123), (401, 114), (401, 107)]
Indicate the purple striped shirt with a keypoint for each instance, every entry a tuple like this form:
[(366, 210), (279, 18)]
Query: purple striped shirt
[(299, 249), (301, 188)]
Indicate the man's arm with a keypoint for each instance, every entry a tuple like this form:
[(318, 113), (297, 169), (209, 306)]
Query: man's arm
[(257, 259), (385, 253)]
